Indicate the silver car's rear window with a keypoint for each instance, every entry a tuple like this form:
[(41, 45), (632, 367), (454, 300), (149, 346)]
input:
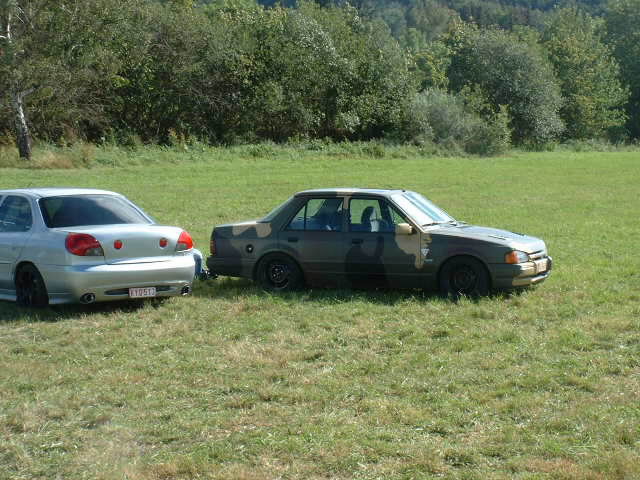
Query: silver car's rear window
[(72, 211)]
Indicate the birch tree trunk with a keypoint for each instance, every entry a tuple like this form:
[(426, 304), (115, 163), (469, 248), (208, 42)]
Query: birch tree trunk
[(23, 137)]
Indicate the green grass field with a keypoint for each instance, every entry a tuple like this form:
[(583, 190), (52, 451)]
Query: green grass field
[(234, 383)]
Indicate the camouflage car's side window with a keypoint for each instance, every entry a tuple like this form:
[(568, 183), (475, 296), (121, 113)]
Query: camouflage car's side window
[(318, 214), (373, 215)]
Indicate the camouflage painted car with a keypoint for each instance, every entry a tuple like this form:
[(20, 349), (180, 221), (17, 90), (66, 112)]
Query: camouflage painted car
[(375, 238)]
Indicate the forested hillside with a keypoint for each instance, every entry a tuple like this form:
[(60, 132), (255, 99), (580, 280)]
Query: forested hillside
[(466, 75)]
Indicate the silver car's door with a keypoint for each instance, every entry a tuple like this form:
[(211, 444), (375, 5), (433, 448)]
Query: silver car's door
[(16, 220)]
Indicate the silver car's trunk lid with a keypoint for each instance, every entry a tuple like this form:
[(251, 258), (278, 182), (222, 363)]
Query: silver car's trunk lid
[(134, 243)]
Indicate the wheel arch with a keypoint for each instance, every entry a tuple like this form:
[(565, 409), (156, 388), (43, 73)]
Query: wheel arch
[(21, 264), (275, 252), (465, 255)]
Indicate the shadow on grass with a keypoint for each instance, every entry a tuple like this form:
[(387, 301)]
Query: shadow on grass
[(228, 288), (10, 312), (232, 289)]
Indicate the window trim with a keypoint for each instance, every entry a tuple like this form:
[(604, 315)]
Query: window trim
[(5, 197), (389, 204), (307, 199)]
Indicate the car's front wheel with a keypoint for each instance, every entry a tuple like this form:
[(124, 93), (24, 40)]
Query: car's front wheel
[(279, 272), (31, 290), (464, 276)]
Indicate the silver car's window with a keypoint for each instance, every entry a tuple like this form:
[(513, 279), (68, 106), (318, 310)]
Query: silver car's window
[(318, 214), (420, 209), (71, 211), (15, 214)]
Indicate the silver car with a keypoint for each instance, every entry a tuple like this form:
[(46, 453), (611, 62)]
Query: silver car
[(65, 245)]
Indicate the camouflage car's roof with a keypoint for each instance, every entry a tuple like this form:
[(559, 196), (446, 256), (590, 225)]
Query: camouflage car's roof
[(348, 191)]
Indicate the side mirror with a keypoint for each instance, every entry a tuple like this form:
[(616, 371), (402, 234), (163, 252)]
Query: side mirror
[(404, 229)]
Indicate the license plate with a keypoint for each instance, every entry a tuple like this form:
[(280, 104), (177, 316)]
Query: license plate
[(541, 265), (142, 292)]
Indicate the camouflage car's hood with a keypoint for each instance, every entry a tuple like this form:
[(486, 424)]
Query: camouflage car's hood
[(517, 241)]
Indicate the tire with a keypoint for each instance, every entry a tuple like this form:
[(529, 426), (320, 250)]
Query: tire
[(277, 272), (464, 276), (30, 288)]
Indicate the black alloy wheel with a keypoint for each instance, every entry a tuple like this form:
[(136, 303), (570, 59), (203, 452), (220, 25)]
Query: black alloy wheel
[(278, 272), (464, 276), (30, 288)]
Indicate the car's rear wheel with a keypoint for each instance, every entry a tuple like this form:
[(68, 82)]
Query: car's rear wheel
[(31, 290), (464, 276), (279, 272)]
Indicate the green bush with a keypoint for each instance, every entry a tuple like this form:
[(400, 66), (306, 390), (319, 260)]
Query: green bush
[(510, 72), (445, 119)]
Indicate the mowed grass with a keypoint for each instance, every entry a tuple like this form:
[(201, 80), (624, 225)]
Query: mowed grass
[(236, 383)]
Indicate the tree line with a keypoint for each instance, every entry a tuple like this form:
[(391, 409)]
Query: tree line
[(235, 71)]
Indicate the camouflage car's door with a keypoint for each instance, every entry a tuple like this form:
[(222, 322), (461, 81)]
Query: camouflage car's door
[(315, 237), (375, 255)]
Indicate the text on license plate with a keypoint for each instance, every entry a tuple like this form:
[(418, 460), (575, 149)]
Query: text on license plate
[(541, 265), (142, 292)]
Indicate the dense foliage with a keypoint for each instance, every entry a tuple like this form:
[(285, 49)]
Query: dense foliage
[(229, 71)]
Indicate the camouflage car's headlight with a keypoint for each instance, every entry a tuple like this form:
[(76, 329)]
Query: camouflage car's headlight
[(516, 256)]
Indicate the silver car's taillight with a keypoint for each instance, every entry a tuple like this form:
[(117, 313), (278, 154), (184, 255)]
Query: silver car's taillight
[(83, 245), (185, 242)]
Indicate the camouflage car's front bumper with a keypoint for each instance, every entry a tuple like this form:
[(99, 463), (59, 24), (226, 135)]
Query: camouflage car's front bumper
[(505, 276)]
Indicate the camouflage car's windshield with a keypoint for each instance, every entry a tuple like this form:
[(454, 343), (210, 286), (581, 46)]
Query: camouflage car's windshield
[(420, 209)]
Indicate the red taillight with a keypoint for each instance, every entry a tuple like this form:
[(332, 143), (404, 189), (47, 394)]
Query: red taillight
[(83, 245), (185, 242), (164, 242), (212, 245), (117, 244)]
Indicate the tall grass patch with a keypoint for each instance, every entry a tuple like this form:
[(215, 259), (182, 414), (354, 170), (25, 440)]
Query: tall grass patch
[(233, 382)]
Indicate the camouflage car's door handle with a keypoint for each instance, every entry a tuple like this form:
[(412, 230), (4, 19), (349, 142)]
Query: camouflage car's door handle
[(292, 239), (357, 241)]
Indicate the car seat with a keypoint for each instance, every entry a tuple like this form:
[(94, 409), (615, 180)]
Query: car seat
[(369, 220)]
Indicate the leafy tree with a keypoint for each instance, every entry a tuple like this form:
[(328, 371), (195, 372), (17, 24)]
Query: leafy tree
[(322, 72), (588, 74), (373, 81), (623, 34), (54, 59), (511, 73), (181, 75), (429, 18)]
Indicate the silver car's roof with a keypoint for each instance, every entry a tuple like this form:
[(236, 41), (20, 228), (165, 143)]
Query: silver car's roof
[(57, 191), (349, 191)]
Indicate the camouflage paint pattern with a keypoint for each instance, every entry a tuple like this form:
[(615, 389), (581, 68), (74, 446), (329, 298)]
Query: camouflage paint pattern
[(343, 243)]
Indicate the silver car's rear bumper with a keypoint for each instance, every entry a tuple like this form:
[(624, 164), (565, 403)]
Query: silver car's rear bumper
[(67, 284)]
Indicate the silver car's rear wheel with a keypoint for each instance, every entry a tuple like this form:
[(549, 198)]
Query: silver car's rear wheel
[(278, 272), (30, 288)]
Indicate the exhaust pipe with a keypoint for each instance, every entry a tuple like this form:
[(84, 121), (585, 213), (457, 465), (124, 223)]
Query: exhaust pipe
[(186, 290), (88, 298)]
